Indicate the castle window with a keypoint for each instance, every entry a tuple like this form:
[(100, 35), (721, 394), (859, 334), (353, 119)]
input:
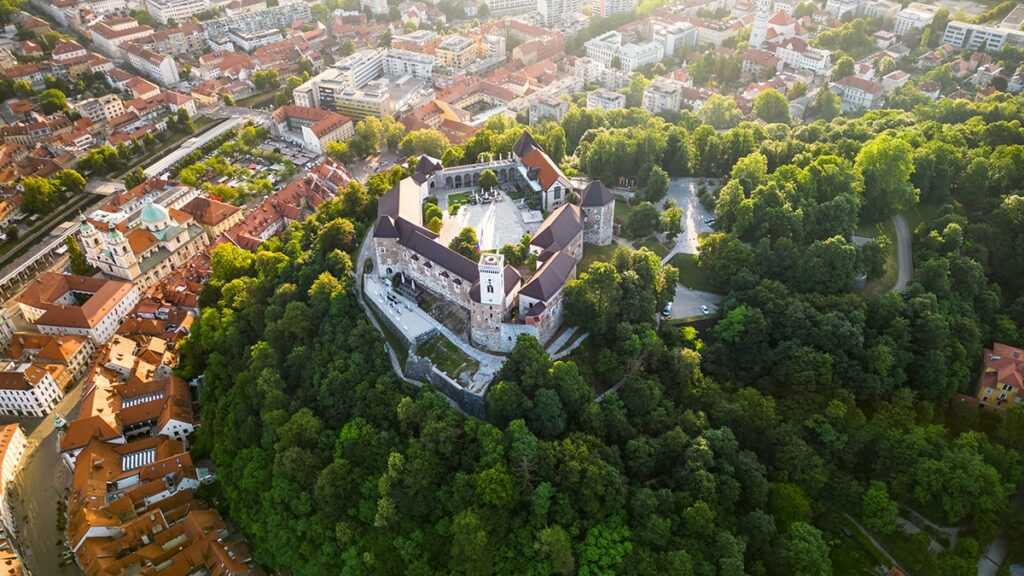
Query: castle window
[(490, 289)]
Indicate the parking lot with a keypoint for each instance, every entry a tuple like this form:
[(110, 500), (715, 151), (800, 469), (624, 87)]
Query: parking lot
[(687, 302), (684, 191)]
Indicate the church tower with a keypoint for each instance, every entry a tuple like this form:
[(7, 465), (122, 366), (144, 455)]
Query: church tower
[(492, 279), (759, 31), (92, 244), (125, 265)]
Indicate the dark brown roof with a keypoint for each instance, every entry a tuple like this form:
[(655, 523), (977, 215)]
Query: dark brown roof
[(524, 145), (596, 194), (551, 277), (209, 211), (559, 229), (423, 242)]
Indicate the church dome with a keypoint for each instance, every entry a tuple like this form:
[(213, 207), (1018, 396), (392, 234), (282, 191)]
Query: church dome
[(153, 215)]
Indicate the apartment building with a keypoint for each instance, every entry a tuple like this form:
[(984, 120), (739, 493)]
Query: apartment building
[(158, 67), (110, 34), (915, 15), (422, 41), (312, 128), (672, 36), (604, 99), (177, 10), (187, 37), (609, 50), (250, 41), (839, 8), (101, 109), (606, 8), (663, 95), (882, 9), (406, 63), (504, 7), (27, 389), (976, 37), (547, 107), (280, 16), (456, 52), (375, 6), (557, 13), (12, 446), (858, 94)]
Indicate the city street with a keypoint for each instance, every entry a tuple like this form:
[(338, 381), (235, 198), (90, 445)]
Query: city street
[(39, 485)]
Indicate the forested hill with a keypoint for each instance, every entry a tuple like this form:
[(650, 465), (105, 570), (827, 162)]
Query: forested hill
[(735, 455)]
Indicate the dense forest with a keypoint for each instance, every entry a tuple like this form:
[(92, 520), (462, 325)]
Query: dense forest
[(726, 452)]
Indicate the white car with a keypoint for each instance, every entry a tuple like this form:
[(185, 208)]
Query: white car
[(704, 308), (667, 311)]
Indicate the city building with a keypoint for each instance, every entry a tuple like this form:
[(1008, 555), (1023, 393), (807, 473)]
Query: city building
[(422, 41), (311, 128), (399, 63), (65, 357), (145, 249), (109, 34), (375, 6), (975, 37), (662, 95), (214, 216), (505, 7), (77, 305), (606, 8), (557, 13), (798, 54), (840, 8), (101, 109), (177, 10), (456, 52), (609, 50), (27, 389), (187, 37), (604, 99), (547, 107), (158, 67), (673, 36), (250, 41), (915, 15), (12, 448), (273, 18), (858, 94), (882, 9)]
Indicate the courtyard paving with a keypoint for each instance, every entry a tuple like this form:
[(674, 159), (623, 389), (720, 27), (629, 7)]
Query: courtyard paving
[(496, 223)]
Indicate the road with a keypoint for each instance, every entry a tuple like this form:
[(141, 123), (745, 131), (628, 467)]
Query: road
[(363, 169), (684, 192), (42, 481), (904, 253)]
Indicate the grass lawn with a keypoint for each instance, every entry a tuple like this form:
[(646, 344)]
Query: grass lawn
[(689, 274), (447, 357), (852, 554), (654, 245), (622, 210), (888, 279), (592, 253)]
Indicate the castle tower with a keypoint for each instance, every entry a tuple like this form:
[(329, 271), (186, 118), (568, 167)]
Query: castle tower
[(759, 31), (598, 206), (492, 279)]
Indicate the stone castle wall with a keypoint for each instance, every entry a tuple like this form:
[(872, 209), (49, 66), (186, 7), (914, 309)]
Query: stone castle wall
[(390, 255)]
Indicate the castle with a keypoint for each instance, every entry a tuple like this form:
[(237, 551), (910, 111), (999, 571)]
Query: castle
[(501, 306)]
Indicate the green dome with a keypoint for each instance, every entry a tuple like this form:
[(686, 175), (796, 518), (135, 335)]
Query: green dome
[(153, 214)]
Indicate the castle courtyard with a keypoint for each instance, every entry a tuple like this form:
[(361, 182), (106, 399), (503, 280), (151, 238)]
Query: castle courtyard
[(496, 223)]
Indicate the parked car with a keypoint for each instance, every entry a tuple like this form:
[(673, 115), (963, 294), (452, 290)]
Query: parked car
[(667, 311), (704, 309)]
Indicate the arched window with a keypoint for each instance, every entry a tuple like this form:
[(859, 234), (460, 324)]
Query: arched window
[(490, 289)]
